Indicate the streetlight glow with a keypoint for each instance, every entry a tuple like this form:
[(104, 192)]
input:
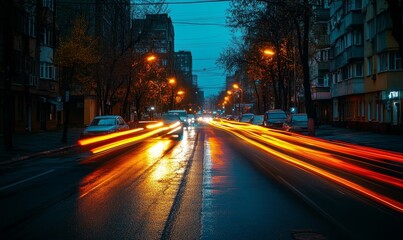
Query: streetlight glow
[(268, 52), (171, 81), (151, 58)]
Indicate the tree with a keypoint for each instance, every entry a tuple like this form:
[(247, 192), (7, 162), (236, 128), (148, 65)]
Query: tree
[(282, 25), (76, 56)]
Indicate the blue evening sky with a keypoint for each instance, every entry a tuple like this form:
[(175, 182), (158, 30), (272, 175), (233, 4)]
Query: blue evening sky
[(200, 28)]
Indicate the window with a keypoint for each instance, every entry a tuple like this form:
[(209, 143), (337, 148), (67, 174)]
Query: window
[(371, 29), (326, 80), (390, 61), (369, 65), (30, 26), (358, 70), (46, 37), (52, 112), (46, 71), (363, 108), (48, 4), (357, 38)]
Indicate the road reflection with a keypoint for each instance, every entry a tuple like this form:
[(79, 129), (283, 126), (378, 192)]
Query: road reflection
[(374, 173), (140, 185)]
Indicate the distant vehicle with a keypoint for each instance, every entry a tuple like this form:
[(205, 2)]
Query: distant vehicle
[(246, 117), (173, 120), (298, 123), (105, 124), (274, 119), (257, 120), (182, 115), (191, 119)]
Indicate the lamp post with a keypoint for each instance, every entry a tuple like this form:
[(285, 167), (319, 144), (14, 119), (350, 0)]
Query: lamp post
[(172, 82), (233, 101), (238, 89), (179, 93)]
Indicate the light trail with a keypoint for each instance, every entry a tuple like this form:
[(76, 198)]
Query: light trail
[(157, 129), (128, 140), (317, 154), (86, 141)]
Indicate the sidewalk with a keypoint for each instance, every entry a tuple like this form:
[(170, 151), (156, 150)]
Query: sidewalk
[(391, 142), (28, 145)]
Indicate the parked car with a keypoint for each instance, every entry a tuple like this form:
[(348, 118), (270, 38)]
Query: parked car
[(105, 124), (298, 123), (173, 120), (182, 115), (246, 117), (274, 119), (257, 120)]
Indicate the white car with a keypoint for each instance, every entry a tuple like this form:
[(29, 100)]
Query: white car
[(105, 124)]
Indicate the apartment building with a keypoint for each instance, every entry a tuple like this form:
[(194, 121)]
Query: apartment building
[(29, 86), (155, 34), (109, 22), (365, 68), (319, 64)]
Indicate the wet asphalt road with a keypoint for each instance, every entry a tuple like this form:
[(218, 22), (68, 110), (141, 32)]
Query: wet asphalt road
[(207, 186)]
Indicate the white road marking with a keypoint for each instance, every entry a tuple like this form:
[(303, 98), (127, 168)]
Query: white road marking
[(25, 180)]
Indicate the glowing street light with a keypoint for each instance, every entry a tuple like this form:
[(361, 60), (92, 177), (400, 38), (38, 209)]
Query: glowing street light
[(151, 58), (237, 88), (268, 52), (172, 81)]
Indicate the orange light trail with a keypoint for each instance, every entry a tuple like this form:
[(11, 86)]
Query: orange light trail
[(128, 140), (155, 125), (306, 148), (86, 141)]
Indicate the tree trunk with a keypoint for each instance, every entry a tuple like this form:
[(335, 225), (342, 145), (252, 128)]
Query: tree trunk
[(257, 97)]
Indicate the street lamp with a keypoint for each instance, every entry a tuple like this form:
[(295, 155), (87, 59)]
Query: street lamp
[(172, 82), (151, 58), (237, 88), (268, 52), (179, 93)]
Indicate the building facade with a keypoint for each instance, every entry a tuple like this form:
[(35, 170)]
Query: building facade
[(109, 22), (319, 65), (29, 86), (155, 34), (366, 69)]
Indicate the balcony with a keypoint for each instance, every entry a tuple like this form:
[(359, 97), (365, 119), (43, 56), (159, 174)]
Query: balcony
[(353, 19), (323, 66), (354, 52), (348, 87), (320, 93)]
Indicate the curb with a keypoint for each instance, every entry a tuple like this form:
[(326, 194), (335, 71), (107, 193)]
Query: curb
[(37, 154)]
